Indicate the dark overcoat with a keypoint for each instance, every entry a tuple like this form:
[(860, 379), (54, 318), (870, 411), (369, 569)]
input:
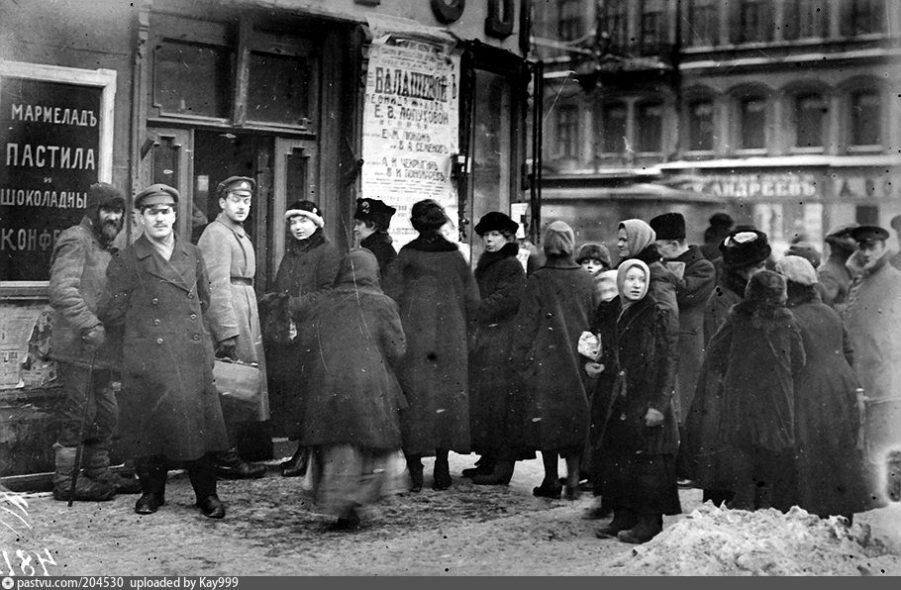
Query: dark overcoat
[(438, 297), (169, 404), (501, 279), (350, 341), (379, 243), (557, 306), (835, 279)]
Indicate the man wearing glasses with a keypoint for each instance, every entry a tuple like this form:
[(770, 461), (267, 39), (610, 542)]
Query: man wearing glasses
[(234, 318)]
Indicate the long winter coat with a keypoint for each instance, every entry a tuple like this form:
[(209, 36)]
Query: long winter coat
[(437, 296), (350, 342), (692, 292), (230, 260), (557, 306), (169, 404), (77, 279), (501, 279), (873, 320), (831, 477)]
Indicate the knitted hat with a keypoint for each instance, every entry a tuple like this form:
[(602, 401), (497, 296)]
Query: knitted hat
[(305, 209), (374, 211), (427, 215), (744, 248), (496, 221), (594, 250), (797, 269), (766, 286), (156, 194), (105, 195), (242, 186), (624, 267), (805, 250), (669, 226), (559, 239)]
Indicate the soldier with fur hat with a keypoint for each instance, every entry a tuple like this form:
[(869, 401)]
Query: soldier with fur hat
[(371, 221), (84, 350)]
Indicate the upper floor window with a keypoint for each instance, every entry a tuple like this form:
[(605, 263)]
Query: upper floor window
[(649, 126), (569, 25), (805, 19), (866, 118), (614, 133), (867, 16), (755, 21), (616, 19), (752, 128), (703, 23), (700, 125), (810, 118), (567, 131), (651, 26)]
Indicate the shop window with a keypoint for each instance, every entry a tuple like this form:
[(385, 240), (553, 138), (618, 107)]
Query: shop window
[(810, 118), (569, 25), (805, 19), (752, 123), (615, 12), (567, 131), (700, 125), (279, 89), (649, 125), (192, 79), (614, 140), (866, 124), (651, 26), (755, 21), (703, 23)]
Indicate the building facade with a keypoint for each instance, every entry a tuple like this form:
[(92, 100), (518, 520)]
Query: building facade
[(783, 113), (329, 101)]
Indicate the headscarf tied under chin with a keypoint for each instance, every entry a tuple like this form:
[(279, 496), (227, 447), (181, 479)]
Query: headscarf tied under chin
[(621, 280), (639, 235)]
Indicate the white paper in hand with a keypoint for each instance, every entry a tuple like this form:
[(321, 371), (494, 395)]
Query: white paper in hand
[(590, 345)]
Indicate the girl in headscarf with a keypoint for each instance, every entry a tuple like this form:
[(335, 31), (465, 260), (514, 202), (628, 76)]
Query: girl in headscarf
[(556, 308), (640, 437), (830, 478), (438, 297), (351, 342)]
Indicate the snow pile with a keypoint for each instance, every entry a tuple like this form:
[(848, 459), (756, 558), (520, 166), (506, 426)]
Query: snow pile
[(714, 541)]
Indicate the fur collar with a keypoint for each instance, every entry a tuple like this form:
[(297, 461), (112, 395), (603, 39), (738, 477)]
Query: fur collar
[(301, 246), (489, 258)]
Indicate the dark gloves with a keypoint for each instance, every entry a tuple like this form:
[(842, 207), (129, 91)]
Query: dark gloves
[(93, 338), (228, 348)]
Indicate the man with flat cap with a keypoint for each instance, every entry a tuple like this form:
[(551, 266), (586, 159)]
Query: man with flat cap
[(833, 275), (159, 290), (697, 279), (234, 317), (873, 320), (371, 221)]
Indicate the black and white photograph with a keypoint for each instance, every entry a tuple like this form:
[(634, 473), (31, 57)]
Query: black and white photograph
[(436, 288)]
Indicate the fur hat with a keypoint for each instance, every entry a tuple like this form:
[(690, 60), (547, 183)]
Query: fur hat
[(805, 250), (240, 185), (427, 215), (156, 194), (797, 269), (669, 226), (374, 211), (766, 286), (559, 239), (306, 209), (721, 220), (105, 195), (496, 221), (743, 248), (594, 250)]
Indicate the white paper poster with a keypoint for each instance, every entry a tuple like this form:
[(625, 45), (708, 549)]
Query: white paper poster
[(410, 127)]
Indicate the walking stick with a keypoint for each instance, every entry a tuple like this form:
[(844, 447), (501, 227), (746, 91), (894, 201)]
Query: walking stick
[(84, 418)]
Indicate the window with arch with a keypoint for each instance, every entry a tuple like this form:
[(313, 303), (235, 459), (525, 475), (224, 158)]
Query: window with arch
[(614, 132), (752, 122), (649, 126), (569, 23), (810, 111), (700, 125), (567, 131), (703, 23), (866, 118), (805, 19)]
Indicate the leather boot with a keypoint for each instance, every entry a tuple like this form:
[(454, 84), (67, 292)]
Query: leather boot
[(441, 471), (648, 527), (414, 466), (151, 472), (500, 475), (623, 519), (484, 466), (96, 463), (230, 466), (296, 466), (86, 489)]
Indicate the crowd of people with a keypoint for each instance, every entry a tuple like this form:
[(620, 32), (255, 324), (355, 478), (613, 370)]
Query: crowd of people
[(765, 382)]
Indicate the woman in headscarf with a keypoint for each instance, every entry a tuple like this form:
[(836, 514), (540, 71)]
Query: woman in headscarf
[(556, 308), (501, 279), (828, 460), (438, 297), (350, 342), (308, 267), (640, 437), (635, 239)]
